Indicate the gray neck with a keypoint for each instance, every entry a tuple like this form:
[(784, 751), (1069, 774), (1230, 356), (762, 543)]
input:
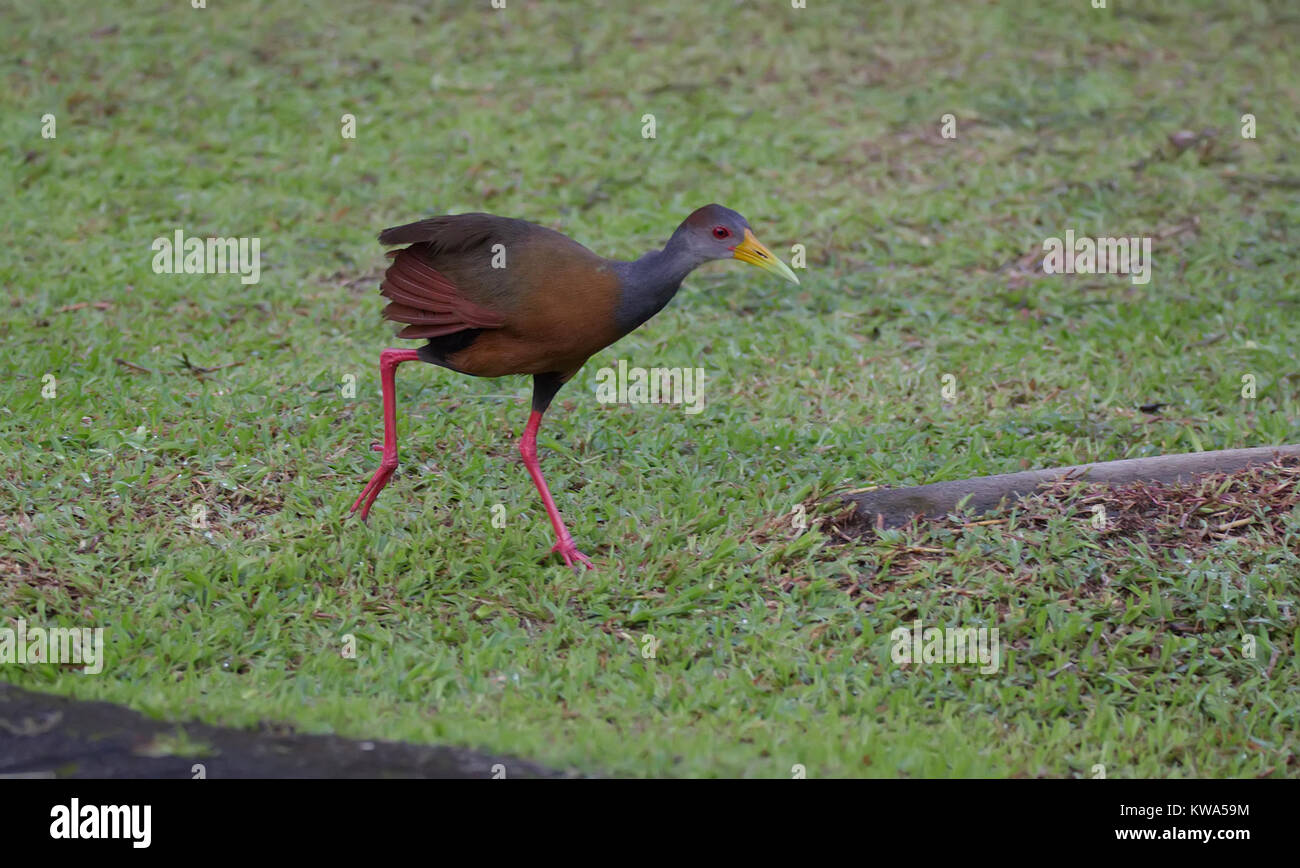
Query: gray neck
[(649, 283)]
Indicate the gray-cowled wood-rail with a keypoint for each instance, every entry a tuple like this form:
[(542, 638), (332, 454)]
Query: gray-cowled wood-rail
[(496, 296)]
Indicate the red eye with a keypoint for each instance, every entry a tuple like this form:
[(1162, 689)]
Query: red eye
[(721, 232)]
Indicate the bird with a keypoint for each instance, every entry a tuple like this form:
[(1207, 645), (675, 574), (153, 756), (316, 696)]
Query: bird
[(495, 296)]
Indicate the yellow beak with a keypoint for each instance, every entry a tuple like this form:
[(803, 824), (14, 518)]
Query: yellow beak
[(752, 251)]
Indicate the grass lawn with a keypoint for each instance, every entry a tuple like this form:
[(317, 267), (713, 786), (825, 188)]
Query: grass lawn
[(135, 405)]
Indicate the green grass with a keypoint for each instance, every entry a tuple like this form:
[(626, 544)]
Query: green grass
[(821, 125)]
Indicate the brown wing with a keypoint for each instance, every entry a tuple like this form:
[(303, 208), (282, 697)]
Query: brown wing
[(550, 309), (450, 234), (427, 301)]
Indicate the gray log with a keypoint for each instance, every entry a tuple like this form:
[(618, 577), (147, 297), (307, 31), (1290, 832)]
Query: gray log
[(898, 505)]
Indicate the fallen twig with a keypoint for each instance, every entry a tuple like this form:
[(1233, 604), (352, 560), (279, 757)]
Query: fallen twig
[(134, 367)]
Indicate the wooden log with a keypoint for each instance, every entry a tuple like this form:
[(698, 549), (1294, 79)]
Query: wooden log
[(895, 507)]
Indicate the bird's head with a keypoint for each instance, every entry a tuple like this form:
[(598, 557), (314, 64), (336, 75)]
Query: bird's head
[(715, 232)]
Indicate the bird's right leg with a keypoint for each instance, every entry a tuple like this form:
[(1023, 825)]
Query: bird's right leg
[(388, 362)]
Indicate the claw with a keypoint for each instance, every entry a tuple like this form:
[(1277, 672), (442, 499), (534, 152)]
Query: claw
[(373, 487), (569, 551)]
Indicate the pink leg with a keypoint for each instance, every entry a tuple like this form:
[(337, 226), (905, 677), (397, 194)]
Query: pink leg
[(388, 362), (528, 449)]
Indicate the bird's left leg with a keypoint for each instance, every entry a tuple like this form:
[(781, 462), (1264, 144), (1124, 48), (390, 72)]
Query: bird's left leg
[(544, 388), (388, 362)]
